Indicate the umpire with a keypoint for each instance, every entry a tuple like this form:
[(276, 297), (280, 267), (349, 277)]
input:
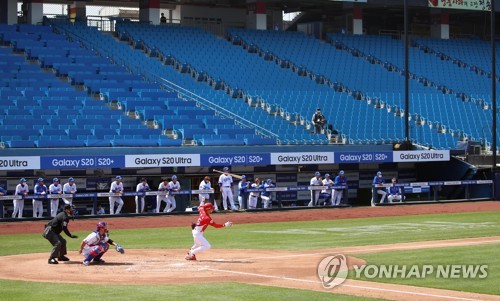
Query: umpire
[(53, 231)]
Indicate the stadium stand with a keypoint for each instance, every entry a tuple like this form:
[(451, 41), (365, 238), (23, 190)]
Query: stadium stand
[(48, 111), (190, 88), (435, 107), (256, 88), (446, 91)]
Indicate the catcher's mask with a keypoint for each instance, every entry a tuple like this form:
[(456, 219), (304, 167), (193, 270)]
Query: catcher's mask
[(102, 225)]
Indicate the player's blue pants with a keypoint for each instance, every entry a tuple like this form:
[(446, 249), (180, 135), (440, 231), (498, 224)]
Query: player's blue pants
[(97, 251)]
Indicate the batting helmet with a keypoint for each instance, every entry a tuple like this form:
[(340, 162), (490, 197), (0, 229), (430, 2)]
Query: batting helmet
[(208, 206)]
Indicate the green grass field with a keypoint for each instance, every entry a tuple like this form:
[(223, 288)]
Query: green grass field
[(474, 255), (289, 236), (17, 290)]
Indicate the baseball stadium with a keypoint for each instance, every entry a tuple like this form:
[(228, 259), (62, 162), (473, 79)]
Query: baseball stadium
[(249, 150)]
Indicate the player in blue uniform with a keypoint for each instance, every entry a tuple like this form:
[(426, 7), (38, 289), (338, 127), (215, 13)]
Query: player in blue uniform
[(40, 189), (395, 192), (266, 195), (340, 194), (378, 188), (242, 192)]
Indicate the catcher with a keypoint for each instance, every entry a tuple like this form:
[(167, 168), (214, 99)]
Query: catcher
[(96, 244), (204, 219)]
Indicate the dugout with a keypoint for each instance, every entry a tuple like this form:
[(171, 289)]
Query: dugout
[(264, 162)]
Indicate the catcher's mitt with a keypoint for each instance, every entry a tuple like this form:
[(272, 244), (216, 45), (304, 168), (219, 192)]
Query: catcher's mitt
[(119, 248)]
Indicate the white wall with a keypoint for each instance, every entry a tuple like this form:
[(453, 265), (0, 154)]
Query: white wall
[(227, 15), (176, 14)]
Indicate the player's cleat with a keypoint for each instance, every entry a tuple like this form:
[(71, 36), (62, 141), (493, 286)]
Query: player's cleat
[(190, 257), (86, 263), (53, 261), (63, 258), (98, 260)]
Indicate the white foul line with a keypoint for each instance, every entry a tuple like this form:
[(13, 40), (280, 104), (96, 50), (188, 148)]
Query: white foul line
[(348, 285), (382, 248)]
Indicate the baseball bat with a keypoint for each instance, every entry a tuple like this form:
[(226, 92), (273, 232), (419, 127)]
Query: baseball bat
[(231, 174)]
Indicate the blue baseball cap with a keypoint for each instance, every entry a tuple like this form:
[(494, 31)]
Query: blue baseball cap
[(341, 172), (225, 169), (327, 175), (243, 177), (71, 180), (55, 180), (22, 180), (118, 177), (40, 180), (317, 173), (174, 177), (269, 180), (379, 173)]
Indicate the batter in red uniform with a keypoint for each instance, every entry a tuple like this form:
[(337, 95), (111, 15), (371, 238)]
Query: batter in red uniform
[(204, 220)]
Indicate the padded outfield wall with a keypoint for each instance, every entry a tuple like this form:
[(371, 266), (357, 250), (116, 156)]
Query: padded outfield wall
[(288, 166)]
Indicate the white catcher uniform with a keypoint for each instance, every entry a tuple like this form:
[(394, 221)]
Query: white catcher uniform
[(21, 189), (54, 203), (172, 187), (95, 243), (115, 188), (69, 189), (226, 182)]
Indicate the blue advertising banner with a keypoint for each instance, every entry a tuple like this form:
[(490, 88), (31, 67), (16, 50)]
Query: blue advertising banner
[(362, 157), (77, 162), (235, 159), (239, 159)]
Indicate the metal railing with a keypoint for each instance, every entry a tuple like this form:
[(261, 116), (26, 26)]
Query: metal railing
[(219, 109)]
